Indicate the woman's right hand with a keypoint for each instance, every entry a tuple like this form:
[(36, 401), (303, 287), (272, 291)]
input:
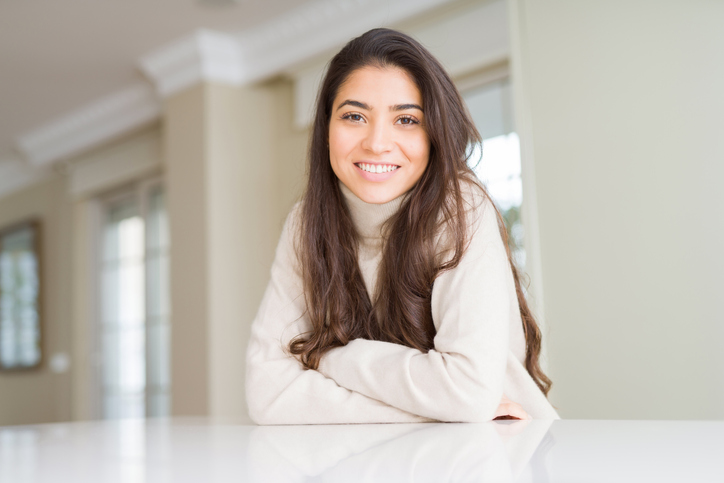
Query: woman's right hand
[(508, 409)]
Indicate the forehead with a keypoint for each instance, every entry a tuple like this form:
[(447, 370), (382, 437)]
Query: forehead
[(385, 86)]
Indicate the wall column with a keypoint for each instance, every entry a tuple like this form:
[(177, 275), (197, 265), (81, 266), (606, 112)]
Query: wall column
[(221, 203)]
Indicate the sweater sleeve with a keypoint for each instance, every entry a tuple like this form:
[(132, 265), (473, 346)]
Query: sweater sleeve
[(278, 389), (462, 378)]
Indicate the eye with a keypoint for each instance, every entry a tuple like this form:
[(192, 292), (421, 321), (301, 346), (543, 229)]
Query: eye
[(353, 116), (407, 120)]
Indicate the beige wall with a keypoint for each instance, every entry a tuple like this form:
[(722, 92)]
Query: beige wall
[(233, 171), (624, 102), (41, 395), (63, 203), (186, 199)]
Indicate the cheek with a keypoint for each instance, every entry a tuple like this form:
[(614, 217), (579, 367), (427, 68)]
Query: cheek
[(341, 144), (418, 151)]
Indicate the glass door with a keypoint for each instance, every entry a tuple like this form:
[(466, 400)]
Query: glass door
[(134, 317)]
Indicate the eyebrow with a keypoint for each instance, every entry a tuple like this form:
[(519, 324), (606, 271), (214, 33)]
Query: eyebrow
[(402, 107), (362, 105)]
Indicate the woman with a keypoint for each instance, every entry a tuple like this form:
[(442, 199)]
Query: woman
[(393, 297)]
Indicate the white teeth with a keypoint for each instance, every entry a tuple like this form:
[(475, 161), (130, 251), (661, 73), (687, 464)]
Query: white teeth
[(377, 168)]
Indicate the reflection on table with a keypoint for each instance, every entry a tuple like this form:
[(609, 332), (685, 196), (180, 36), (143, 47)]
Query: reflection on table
[(401, 453), (201, 450)]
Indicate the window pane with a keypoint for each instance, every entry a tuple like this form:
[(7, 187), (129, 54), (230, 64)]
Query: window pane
[(135, 310), (157, 306), (123, 311), (497, 161), (19, 290)]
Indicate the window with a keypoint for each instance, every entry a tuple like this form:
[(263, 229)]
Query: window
[(134, 321), (497, 161), (19, 297)]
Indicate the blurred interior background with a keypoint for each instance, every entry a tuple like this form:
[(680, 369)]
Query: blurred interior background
[(150, 151)]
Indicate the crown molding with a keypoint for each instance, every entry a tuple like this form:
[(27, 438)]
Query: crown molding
[(91, 125), (277, 46), (205, 55), (320, 27), (273, 47)]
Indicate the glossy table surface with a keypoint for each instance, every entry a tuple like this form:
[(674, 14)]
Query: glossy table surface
[(200, 450)]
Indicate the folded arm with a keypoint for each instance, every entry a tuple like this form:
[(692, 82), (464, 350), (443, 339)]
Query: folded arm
[(462, 378), (278, 389)]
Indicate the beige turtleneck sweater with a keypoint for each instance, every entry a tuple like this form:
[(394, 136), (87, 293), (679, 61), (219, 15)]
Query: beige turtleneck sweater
[(479, 346)]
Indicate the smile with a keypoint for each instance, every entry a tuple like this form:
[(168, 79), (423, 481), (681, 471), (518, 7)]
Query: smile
[(376, 168)]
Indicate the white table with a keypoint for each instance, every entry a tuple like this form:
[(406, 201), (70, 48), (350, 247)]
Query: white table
[(199, 450)]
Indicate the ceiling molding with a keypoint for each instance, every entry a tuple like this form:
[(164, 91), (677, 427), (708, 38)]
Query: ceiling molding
[(205, 55), (319, 27), (273, 47), (91, 125), (278, 46)]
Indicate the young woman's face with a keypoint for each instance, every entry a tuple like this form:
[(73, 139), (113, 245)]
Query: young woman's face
[(378, 146)]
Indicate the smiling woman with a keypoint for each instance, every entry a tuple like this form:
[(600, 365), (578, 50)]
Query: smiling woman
[(393, 297)]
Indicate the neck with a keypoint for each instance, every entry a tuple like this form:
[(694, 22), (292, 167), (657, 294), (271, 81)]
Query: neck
[(369, 218)]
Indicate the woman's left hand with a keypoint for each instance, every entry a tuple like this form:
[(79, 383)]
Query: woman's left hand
[(508, 409)]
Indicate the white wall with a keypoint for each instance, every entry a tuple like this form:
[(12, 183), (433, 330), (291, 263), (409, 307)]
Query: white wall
[(622, 118)]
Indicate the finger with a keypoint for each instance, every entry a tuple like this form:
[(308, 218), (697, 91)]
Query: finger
[(511, 409)]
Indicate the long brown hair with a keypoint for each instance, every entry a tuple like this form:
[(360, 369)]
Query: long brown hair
[(338, 305)]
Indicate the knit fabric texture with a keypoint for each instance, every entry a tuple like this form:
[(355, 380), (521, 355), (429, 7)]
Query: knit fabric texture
[(479, 347)]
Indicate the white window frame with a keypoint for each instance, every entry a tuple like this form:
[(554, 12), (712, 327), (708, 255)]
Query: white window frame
[(139, 189), (529, 207)]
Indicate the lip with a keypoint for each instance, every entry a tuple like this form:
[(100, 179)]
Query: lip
[(377, 177)]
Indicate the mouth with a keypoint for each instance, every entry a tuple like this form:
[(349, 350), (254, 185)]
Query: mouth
[(376, 168)]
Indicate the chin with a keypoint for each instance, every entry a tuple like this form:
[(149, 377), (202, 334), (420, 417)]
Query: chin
[(376, 194), (377, 198)]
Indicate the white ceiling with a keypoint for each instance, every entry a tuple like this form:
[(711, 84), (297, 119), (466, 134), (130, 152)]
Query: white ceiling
[(56, 56)]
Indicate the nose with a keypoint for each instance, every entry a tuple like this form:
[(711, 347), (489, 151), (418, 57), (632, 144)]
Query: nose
[(378, 139)]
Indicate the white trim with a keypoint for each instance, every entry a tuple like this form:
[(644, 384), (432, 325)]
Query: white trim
[(91, 125), (524, 127), (273, 47), (205, 55)]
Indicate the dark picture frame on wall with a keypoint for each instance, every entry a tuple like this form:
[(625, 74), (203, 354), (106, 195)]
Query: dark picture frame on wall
[(20, 290)]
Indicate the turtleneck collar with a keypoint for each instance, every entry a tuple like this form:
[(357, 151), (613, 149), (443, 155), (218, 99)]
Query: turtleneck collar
[(368, 218)]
